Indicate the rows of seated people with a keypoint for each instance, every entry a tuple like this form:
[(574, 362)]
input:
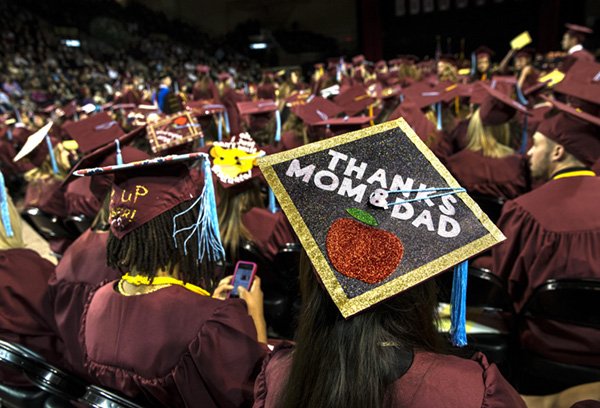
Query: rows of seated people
[(135, 305)]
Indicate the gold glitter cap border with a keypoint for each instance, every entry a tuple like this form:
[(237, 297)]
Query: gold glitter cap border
[(350, 306)]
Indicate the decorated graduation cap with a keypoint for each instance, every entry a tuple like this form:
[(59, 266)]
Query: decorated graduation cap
[(94, 131), (378, 213), (234, 161), (143, 190), (173, 130)]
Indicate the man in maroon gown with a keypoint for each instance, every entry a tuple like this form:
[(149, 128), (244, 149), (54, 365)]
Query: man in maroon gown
[(553, 231)]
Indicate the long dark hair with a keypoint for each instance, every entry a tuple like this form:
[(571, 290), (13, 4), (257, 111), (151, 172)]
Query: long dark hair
[(351, 362)]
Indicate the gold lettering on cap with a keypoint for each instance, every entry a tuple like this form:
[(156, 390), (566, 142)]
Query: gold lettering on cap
[(140, 191)]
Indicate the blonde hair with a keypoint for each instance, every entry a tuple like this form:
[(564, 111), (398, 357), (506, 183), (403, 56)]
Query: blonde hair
[(16, 241), (491, 141), (232, 206)]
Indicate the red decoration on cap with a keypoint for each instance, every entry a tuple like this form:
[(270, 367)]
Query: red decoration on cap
[(173, 131)]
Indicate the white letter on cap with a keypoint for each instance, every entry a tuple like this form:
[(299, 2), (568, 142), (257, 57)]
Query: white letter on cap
[(424, 219), (352, 167), (407, 214), (357, 192), (324, 173), (336, 156), (296, 171), (454, 227)]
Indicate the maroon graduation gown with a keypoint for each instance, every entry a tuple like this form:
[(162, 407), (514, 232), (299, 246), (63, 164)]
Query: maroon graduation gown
[(182, 348), (552, 232), (80, 272), (269, 231), (24, 307), (495, 177), (433, 380)]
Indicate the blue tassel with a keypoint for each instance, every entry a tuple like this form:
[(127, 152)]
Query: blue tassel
[(272, 202), (9, 134), (207, 225), (220, 127), (524, 137), (202, 141), (458, 316), (227, 130), (52, 157), (439, 115), (4, 208), (473, 64), (520, 96), (118, 150), (277, 126)]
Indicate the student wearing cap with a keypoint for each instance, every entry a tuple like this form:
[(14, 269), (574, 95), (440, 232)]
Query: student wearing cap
[(366, 334), (553, 231), (268, 87), (241, 208), (572, 42), (483, 57), (488, 165), (82, 268), (24, 306), (157, 331), (204, 88), (230, 97)]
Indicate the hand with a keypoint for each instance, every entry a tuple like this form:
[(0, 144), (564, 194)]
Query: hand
[(254, 302), (223, 288), (253, 298)]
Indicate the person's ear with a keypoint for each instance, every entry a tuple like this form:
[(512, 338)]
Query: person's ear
[(558, 153)]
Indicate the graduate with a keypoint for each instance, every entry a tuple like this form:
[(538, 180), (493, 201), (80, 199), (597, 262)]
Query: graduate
[(553, 231), (366, 334), (157, 332)]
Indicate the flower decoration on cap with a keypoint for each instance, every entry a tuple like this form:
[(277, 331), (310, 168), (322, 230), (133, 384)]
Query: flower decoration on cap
[(234, 161)]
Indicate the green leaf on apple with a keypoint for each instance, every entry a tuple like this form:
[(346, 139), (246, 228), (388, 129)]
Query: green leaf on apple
[(362, 216)]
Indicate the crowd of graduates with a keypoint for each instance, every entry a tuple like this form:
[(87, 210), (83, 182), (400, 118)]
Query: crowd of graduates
[(522, 134)]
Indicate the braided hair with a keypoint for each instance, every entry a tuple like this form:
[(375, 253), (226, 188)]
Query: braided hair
[(151, 247)]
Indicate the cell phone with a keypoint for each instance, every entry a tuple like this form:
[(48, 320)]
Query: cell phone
[(242, 276)]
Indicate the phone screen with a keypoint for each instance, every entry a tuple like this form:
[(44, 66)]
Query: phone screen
[(242, 277)]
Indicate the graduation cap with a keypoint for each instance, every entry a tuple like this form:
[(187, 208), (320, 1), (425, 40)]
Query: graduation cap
[(574, 129), (498, 108), (354, 100), (483, 50), (234, 161), (143, 190), (582, 81), (202, 69), (260, 114), (358, 59), (338, 126), (378, 213), (94, 131), (417, 120), (316, 109), (172, 131), (578, 31)]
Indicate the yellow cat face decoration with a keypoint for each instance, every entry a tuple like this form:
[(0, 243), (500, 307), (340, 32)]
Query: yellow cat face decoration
[(233, 161)]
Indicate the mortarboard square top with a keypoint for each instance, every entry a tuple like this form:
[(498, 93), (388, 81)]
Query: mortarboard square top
[(376, 212), (173, 131), (316, 109), (257, 107), (354, 100), (94, 131), (582, 81)]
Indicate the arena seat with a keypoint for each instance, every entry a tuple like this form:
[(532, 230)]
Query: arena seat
[(492, 206), (48, 226), (574, 302), (488, 303), (77, 223)]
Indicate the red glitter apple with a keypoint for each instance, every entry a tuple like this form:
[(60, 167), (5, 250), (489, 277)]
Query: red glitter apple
[(360, 251)]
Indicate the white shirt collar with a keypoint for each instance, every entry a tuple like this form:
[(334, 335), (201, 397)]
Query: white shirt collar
[(575, 48)]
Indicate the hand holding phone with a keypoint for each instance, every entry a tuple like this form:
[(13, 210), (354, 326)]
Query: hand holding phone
[(242, 276)]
